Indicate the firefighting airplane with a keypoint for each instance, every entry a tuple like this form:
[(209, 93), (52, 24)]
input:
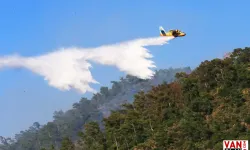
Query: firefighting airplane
[(174, 33)]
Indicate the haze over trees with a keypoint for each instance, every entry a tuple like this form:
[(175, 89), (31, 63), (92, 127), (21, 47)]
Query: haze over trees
[(196, 110)]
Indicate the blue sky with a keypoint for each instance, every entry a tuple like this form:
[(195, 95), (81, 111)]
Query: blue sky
[(33, 27)]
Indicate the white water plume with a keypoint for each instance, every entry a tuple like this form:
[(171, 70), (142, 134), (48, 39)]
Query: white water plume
[(68, 68)]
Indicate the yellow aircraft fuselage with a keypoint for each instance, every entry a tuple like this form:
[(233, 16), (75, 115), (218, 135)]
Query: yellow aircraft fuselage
[(174, 33)]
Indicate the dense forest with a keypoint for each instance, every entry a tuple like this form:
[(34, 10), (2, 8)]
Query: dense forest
[(194, 110), (69, 123)]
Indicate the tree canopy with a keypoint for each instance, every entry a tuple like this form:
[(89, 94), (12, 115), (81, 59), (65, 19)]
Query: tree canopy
[(197, 111)]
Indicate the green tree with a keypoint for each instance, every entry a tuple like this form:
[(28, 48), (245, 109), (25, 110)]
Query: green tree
[(93, 137), (67, 144)]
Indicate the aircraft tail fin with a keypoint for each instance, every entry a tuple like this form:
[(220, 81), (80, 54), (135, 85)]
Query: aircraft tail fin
[(162, 31)]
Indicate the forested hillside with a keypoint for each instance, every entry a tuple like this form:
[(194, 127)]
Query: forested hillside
[(69, 123), (197, 111)]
